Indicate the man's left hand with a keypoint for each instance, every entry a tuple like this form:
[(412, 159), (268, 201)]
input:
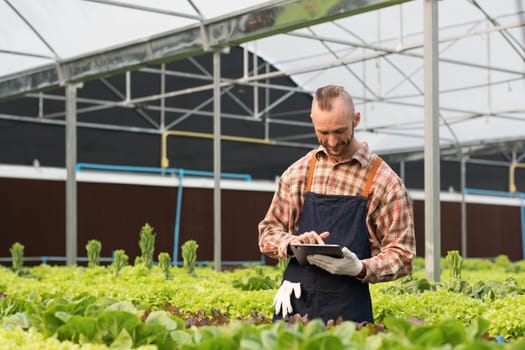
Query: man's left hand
[(348, 265)]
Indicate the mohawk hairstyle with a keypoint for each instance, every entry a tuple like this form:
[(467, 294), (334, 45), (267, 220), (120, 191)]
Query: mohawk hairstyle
[(324, 96)]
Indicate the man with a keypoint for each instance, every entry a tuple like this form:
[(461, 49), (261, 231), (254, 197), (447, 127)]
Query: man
[(340, 193)]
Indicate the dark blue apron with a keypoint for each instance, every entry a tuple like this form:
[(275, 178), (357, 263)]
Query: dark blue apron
[(324, 295)]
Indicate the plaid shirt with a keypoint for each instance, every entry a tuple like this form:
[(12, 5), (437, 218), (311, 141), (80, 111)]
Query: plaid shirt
[(390, 219)]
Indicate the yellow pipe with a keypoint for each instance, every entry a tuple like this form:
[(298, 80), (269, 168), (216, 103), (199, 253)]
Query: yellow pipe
[(164, 155), (512, 170)]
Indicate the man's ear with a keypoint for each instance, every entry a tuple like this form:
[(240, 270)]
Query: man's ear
[(357, 119)]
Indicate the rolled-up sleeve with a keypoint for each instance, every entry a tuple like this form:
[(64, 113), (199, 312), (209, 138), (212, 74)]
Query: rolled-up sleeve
[(273, 235), (280, 223), (390, 223)]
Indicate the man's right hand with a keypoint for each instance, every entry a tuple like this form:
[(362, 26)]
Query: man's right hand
[(311, 237), (282, 300)]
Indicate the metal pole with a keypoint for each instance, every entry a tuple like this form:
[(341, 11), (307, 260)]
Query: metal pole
[(402, 172), (245, 62), (128, 86), (432, 175), (256, 83), (217, 159), (463, 207), (163, 99), (71, 185)]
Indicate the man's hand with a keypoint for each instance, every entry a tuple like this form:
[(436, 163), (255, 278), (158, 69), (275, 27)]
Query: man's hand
[(348, 265), (282, 299), (311, 237)]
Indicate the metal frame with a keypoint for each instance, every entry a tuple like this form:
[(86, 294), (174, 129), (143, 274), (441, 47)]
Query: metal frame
[(40, 79)]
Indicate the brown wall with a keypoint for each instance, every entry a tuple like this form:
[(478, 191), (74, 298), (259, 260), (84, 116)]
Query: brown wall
[(491, 229), (32, 212)]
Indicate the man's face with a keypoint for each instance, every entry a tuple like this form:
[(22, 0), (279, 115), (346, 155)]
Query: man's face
[(334, 128)]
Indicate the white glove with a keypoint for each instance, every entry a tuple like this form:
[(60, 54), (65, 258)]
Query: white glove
[(348, 265), (282, 299)]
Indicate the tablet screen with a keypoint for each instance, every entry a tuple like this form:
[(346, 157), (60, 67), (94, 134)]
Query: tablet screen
[(301, 251)]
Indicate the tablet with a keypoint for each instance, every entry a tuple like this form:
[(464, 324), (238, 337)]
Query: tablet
[(301, 251)]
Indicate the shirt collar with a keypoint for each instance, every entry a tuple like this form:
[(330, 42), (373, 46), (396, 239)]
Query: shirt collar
[(362, 155)]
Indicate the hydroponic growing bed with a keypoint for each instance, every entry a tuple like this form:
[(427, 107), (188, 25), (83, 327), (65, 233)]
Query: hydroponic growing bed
[(479, 304)]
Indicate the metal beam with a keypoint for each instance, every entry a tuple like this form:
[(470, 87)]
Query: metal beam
[(145, 9), (464, 236), (71, 182), (432, 171), (217, 245), (384, 51), (274, 18)]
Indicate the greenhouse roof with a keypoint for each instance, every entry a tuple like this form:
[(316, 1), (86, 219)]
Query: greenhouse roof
[(373, 48)]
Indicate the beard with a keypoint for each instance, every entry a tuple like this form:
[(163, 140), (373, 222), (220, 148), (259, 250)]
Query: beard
[(341, 149)]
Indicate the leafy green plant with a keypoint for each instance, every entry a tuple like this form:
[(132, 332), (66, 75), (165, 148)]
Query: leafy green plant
[(409, 285), (93, 248), (502, 260), (189, 255), (56, 297), (443, 334), (147, 244), (120, 259), (165, 264), (140, 269), (504, 315), (258, 282), (455, 263), (496, 289), (458, 285), (17, 255), (139, 261), (87, 320), (513, 268)]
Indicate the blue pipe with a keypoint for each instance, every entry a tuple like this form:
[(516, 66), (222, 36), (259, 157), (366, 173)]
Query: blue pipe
[(45, 259), (519, 195), (181, 172), (492, 193), (522, 212), (246, 177), (177, 219), (143, 169), (146, 169)]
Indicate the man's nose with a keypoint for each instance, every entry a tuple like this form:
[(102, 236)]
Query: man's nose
[(332, 140)]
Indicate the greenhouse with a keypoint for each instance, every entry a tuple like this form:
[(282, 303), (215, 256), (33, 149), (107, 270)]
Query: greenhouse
[(123, 119)]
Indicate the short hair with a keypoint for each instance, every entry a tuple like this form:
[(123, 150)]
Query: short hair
[(324, 96)]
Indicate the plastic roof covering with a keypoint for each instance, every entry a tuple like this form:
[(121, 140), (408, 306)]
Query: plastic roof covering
[(482, 64)]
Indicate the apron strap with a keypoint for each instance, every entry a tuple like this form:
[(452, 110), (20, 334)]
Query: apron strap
[(369, 180), (371, 176), (310, 172)]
